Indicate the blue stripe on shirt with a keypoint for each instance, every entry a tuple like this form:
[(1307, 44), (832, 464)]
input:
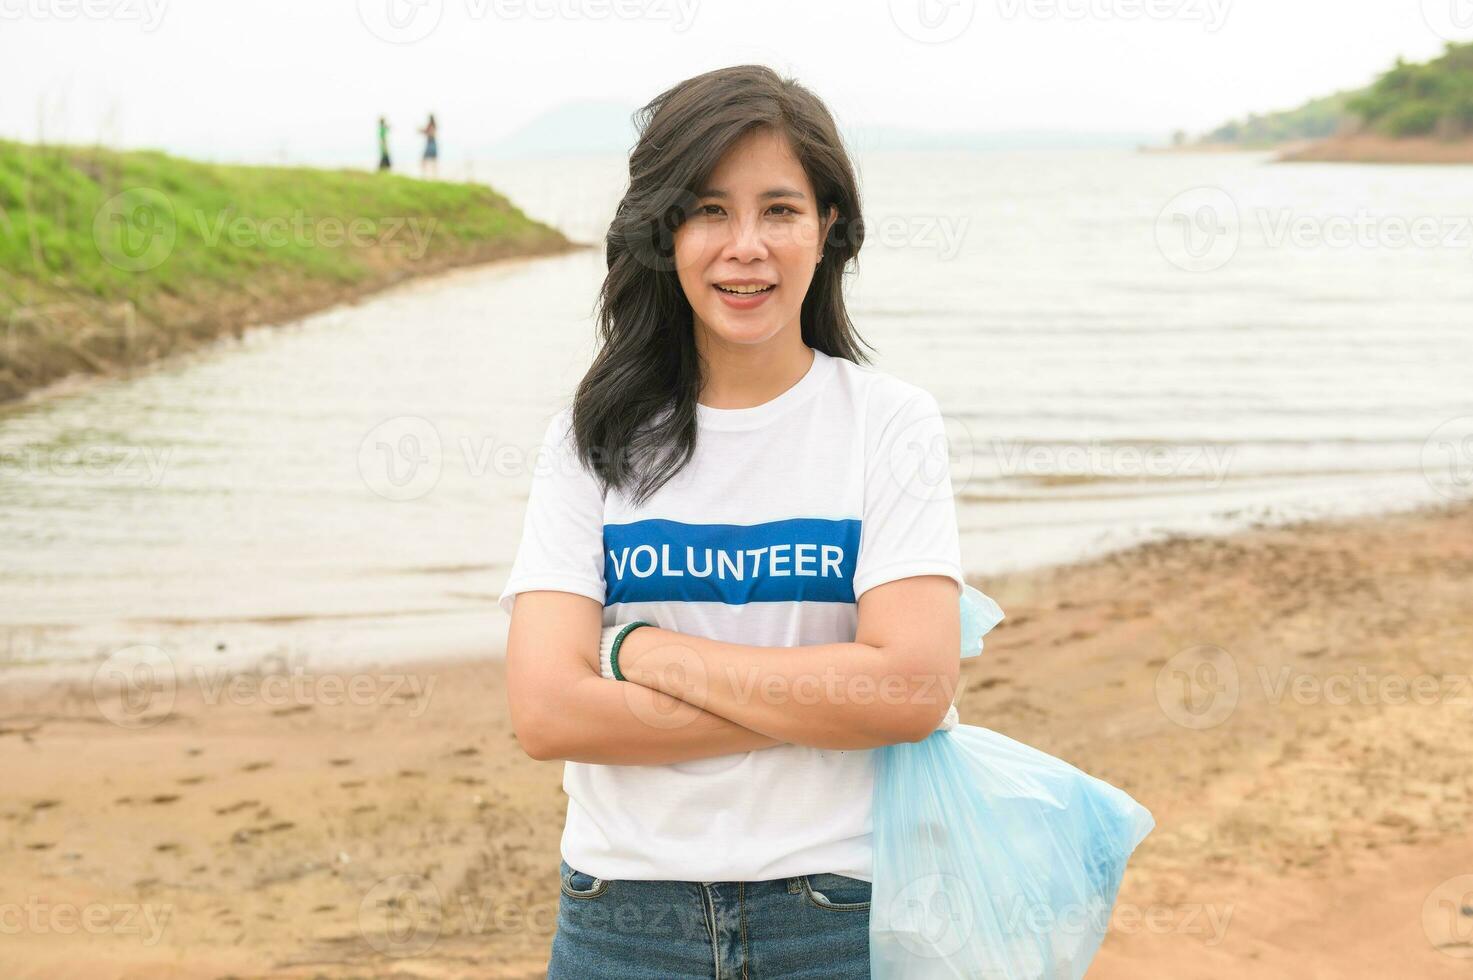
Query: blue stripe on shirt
[(801, 559)]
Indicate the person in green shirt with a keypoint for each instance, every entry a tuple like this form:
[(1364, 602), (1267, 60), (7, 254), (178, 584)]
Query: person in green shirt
[(383, 144)]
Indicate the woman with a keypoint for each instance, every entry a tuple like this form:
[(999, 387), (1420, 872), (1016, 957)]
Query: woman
[(430, 164), (783, 520)]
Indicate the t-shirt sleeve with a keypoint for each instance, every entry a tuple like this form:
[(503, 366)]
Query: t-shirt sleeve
[(562, 534), (909, 523)]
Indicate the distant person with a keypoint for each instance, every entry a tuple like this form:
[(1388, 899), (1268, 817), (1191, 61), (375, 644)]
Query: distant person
[(430, 165), (383, 144)]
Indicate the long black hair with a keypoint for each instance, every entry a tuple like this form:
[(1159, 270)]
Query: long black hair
[(634, 413)]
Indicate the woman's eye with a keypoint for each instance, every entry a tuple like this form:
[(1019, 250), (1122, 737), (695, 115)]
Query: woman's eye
[(712, 209)]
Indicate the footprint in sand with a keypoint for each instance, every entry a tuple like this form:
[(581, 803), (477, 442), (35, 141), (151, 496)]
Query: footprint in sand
[(45, 804), (277, 827), (340, 762), (193, 751), (235, 807), (468, 780), (40, 846), (469, 750), (352, 783), (191, 780), (295, 709), (365, 808), (255, 766), (166, 847), (410, 774), (324, 908), (164, 798)]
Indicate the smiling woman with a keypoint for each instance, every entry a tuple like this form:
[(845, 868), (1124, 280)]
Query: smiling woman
[(750, 247), (768, 512)]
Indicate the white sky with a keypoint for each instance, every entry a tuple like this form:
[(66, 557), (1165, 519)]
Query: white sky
[(306, 79)]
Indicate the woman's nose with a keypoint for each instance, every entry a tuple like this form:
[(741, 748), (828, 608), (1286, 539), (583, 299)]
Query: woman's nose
[(747, 240)]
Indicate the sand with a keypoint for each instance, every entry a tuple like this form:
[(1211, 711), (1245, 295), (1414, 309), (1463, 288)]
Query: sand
[(1349, 148), (393, 828), (1372, 148)]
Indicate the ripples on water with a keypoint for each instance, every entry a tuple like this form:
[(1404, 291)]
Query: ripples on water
[(350, 487)]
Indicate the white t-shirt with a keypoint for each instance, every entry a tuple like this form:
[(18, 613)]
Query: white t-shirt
[(786, 514)]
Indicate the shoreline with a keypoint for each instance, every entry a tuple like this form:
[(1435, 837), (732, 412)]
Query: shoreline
[(308, 830), (137, 256), (1370, 148), (1361, 148), (276, 312), (1210, 148), (489, 642)]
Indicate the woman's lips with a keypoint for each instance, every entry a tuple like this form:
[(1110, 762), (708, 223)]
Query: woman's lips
[(747, 302)]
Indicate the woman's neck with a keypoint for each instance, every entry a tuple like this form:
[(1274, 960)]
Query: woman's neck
[(744, 376)]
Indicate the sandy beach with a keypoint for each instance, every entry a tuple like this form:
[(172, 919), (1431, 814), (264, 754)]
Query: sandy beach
[(1292, 703), (1350, 148), (1373, 148)]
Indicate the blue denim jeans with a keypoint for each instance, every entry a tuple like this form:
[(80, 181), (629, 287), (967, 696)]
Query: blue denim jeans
[(809, 926)]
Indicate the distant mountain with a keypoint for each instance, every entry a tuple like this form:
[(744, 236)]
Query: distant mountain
[(1315, 119), (578, 128), (901, 138), (571, 129), (1431, 100), (1435, 99)]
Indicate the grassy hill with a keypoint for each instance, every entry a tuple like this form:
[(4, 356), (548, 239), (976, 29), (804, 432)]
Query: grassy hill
[(111, 259), (1435, 99), (1314, 120), (1408, 102)]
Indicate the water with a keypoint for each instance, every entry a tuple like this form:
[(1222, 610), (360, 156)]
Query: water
[(350, 487)]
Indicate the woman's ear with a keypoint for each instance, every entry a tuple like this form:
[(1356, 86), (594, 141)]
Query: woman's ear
[(823, 234)]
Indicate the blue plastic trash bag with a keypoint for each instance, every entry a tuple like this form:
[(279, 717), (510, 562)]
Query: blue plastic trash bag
[(979, 615), (992, 859)]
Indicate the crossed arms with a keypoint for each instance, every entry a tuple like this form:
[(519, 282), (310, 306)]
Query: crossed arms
[(689, 697)]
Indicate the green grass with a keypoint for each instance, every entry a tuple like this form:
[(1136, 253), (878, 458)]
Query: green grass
[(109, 258)]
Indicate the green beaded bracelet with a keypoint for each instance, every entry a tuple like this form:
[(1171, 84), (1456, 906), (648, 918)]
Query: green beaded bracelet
[(618, 642)]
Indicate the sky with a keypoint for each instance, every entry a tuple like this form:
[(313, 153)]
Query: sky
[(305, 80)]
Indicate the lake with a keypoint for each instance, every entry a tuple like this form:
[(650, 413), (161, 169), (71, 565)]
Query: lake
[(1126, 346)]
